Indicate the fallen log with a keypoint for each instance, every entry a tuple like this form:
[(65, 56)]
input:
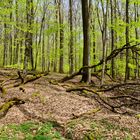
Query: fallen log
[(25, 80), (8, 104)]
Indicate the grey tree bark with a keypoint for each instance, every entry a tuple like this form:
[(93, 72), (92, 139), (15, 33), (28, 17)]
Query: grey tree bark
[(86, 35)]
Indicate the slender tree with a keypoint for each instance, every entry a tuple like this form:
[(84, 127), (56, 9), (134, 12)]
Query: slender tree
[(71, 55), (61, 19), (103, 29), (16, 35), (56, 35), (92, 27), (40, 36), (5, 57), (127, 69), (112, 37), (136, 19)]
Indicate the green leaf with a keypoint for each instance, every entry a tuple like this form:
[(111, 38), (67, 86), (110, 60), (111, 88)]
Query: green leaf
[(132, 66)]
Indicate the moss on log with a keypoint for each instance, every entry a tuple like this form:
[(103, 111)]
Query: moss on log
[(7, 105)]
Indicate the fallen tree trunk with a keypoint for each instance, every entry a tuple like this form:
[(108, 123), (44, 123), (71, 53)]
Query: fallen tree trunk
[(113, 54), (25, 81), (8, 104)]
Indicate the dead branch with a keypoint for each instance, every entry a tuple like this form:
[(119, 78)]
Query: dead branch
[(127, 104), (70, 76), (110, 77), (103, 100), (81, 89), (117, 86), (33, 79), (25, 81), (113, 54), (124, 96), (96, 96), (96, 75)]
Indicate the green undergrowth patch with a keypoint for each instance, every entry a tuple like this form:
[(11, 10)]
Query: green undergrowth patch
[(105, 129), (77, 129), (30, 131), (97, 130)]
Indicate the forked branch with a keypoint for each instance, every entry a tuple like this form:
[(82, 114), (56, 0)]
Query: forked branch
[(113, 54)]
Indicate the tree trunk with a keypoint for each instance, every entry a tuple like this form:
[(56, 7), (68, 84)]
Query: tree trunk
[(43, 52), (5, 45), (127, 69), (10, 37), (86, 36), (112, 38), (71, 37), (136, 71), (16, 36), (28, 56), (61, 69), (104, 38), (56, 35), (92, 26)]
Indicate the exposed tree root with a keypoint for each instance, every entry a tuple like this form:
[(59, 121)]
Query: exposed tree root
[(96, 96), (113, 54), (80, 73), (104, 101), (20, 77)]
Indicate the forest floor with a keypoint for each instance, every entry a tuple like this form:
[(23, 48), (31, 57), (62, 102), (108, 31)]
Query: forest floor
[(78, 117)]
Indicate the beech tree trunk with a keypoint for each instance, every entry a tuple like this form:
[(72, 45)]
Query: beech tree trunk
[(28, 56), (86, 36), (61, 69)]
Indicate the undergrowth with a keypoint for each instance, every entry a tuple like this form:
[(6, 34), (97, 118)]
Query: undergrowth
[(29, 131), (99, 130)]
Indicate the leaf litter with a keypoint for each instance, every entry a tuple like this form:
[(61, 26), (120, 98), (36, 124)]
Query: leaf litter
[(48, 101)]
